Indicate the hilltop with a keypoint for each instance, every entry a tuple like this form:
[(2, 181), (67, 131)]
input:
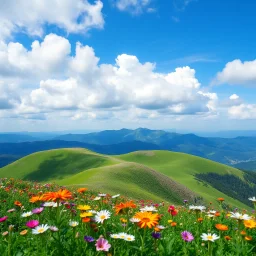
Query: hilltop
[(157, 175)]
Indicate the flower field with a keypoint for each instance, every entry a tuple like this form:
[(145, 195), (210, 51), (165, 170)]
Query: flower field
[(45, 219)]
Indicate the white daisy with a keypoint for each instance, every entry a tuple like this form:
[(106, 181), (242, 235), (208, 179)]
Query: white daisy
[(92, 211), (115, 196), (160, 227), (129, 238), (148, 209), (253, 199), (212, 212), (197, 208), (115, 236), (26, 214), (102, 195), (73, 223), (134, 220), (102, 215), (239, 216), (210, 215), (50, 204), (96, 198), (40, 229), (122, 235), (209, 237)]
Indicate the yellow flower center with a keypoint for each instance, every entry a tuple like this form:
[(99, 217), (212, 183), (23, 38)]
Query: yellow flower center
[(209, 237), (102, 217), (40, 230)]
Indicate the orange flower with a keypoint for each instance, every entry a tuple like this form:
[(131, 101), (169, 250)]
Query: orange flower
[(221, 199), (243, 233), (200, 219), (86, 219), (18, 203), (248, 238), (147, 219), (173, 224), (62, 194), (35, 199), (157, 229), (81, 190), (23, 232), (221, 227), (227, 238), (250, 223), (122, 208), (217, 214)]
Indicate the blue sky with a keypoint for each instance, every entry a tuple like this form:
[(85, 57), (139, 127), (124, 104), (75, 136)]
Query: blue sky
[(183, 64)]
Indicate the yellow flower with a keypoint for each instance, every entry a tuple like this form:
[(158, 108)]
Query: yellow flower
[(84, 207), (123, 220), (250, 223), (86, 214)]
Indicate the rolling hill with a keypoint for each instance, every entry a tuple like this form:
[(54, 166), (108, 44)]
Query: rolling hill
[(157, 175)]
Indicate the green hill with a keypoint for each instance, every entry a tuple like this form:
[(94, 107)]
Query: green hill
[(156, 175)]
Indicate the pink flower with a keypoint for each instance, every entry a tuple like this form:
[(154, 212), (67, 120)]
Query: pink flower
[(11, 210), (3, 218), (32, 223), (187, 236), (38, 210), (102, 245), (171, 208)]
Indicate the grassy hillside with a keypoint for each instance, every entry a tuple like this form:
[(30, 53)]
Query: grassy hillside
[(55, 164), (182, 168), (157, 175)]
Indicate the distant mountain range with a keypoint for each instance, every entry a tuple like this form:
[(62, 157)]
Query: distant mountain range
[(239, 151)]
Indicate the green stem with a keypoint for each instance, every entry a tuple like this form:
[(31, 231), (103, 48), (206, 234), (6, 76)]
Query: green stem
[(209, 248)]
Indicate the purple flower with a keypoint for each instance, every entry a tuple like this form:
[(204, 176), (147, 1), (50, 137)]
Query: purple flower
[(185, 201), (102, 245), (88, 239), (3, 218), (187, 236), (156, 235), (38, 210), (32, 223)]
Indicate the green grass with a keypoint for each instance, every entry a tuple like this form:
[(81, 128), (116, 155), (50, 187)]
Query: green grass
[(156, 175), (182, 167), (54, 164)]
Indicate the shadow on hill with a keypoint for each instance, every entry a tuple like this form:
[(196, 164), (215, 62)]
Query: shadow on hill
[(63, 165)]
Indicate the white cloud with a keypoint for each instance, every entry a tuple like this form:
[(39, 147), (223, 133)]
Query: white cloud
[(234, 97), (79, 84), (31, 16), (134, 6), (44, 59), (243, 111), (237, 72)]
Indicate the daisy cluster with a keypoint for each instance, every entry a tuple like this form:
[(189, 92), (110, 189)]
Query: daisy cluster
[(46, 219)]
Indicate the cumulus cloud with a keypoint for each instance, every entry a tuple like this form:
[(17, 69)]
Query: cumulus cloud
[(134, 6), (44, 59), (237, 72), (31, 16), (234, 97), (88, 89), (243, 111)]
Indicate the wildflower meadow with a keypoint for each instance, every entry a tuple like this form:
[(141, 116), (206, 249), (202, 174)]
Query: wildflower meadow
[(45, 219)]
